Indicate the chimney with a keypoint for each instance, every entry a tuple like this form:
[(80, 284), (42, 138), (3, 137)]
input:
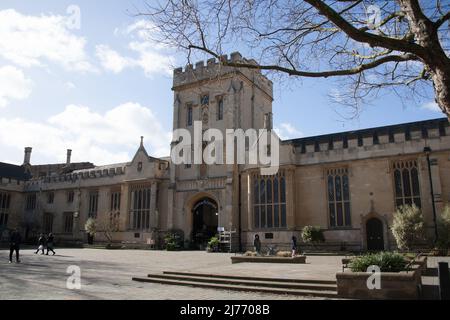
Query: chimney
[(69, 154), (27, 156)]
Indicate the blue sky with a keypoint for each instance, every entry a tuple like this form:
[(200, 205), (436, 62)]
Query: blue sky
[(98, 88)]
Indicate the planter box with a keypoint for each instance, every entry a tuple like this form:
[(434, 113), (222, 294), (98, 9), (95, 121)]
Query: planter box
[(399, 286), (268, 259)]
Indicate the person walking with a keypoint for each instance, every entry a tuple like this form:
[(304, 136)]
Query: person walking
[(41, 243), (50, 243), (257, 244), (294, 245), (14, 245)]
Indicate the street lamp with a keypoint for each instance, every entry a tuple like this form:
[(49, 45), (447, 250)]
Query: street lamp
[(427, 151)]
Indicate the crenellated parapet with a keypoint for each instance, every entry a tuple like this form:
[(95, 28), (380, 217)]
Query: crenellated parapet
[(9, 184), (212, 69), (408, 138)]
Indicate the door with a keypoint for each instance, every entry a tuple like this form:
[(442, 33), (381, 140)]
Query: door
[(375, 239)]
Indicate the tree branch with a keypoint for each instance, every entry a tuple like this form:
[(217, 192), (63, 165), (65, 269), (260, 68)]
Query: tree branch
[(322, 74)]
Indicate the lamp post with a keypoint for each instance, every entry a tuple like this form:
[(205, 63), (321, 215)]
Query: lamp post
[(427, 151)]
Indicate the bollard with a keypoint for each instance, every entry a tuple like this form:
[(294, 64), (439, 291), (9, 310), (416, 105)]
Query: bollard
[(444, 281)]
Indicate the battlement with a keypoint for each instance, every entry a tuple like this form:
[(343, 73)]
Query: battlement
[(213, 68), (382, 141)]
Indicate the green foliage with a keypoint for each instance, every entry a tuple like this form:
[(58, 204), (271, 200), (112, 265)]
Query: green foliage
[(213, 244), (443, 242), (408, 227), (174, 240), (91, 226), (386, 261), (312, 234)]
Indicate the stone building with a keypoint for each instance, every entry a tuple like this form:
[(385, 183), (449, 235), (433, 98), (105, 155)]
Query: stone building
[(348, 183)]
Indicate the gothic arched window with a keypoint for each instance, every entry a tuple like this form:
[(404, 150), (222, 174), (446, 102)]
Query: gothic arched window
[(338, 192), (269, 201), (406, 183)]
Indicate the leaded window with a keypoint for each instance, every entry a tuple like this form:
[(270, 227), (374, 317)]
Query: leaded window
[(5, 202), (140, 208), (406, 182), (68, 222), (31, 201), (269, 201), (338, 193), (48, 222), (93, 204)]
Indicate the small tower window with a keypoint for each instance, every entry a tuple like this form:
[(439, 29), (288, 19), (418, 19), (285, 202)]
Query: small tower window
[(220, 108), (204, 100), (189, 115)]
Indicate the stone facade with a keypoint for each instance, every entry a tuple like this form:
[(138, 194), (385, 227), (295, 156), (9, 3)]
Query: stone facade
[(345, 182)]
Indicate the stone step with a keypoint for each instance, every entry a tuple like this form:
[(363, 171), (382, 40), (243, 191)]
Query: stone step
[(298, 292), (223, 276), (246, 282)]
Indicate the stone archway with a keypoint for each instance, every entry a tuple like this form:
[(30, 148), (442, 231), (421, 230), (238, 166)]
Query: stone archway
[(202, 218), (205, 220)]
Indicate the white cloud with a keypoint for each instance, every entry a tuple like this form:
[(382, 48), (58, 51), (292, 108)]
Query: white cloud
[(287, 131), (111, 60), (70, 85), (153, 58), (431, 106), (36, 40), (13, 85), (100, 138)]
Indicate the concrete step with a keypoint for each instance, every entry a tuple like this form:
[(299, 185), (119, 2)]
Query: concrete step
[(222, 276), (247, 282), (298, 292)]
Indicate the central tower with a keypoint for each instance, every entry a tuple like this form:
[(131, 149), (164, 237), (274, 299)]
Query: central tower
[(220, 97)]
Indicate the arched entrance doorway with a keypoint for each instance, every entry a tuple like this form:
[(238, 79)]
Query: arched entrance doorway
[(205, 221), (375, 238)]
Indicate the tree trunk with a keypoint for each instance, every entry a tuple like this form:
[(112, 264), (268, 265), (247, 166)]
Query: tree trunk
[(441, 81)]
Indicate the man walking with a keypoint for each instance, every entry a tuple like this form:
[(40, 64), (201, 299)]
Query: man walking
[(50, 243), (14, 245)]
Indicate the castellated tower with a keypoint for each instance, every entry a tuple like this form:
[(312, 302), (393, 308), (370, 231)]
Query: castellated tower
[(220, 97)]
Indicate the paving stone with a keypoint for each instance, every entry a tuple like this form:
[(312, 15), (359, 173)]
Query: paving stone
[(106, 274)]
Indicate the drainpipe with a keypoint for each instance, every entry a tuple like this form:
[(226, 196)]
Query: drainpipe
[(240, 214)]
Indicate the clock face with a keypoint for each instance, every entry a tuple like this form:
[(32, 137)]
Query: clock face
[(205, 99)]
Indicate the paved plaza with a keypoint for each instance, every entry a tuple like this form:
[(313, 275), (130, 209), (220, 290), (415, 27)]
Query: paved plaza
[(106, 274)]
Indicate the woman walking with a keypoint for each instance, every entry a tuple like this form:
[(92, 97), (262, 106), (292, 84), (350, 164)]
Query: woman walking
[(50, 244), (294, 246), (41, 243)]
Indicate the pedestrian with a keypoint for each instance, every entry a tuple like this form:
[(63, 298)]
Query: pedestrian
[(294, 245), (257, 244), (50, 243), (14, 245), (41, 243)]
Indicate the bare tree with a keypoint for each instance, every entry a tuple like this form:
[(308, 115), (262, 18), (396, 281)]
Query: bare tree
[(369, 45)]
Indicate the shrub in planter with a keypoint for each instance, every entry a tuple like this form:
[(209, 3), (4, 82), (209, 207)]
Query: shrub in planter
[(312, 235), (387, 261), (443, 243), (213, 244), (174, 240), (408, 226)]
